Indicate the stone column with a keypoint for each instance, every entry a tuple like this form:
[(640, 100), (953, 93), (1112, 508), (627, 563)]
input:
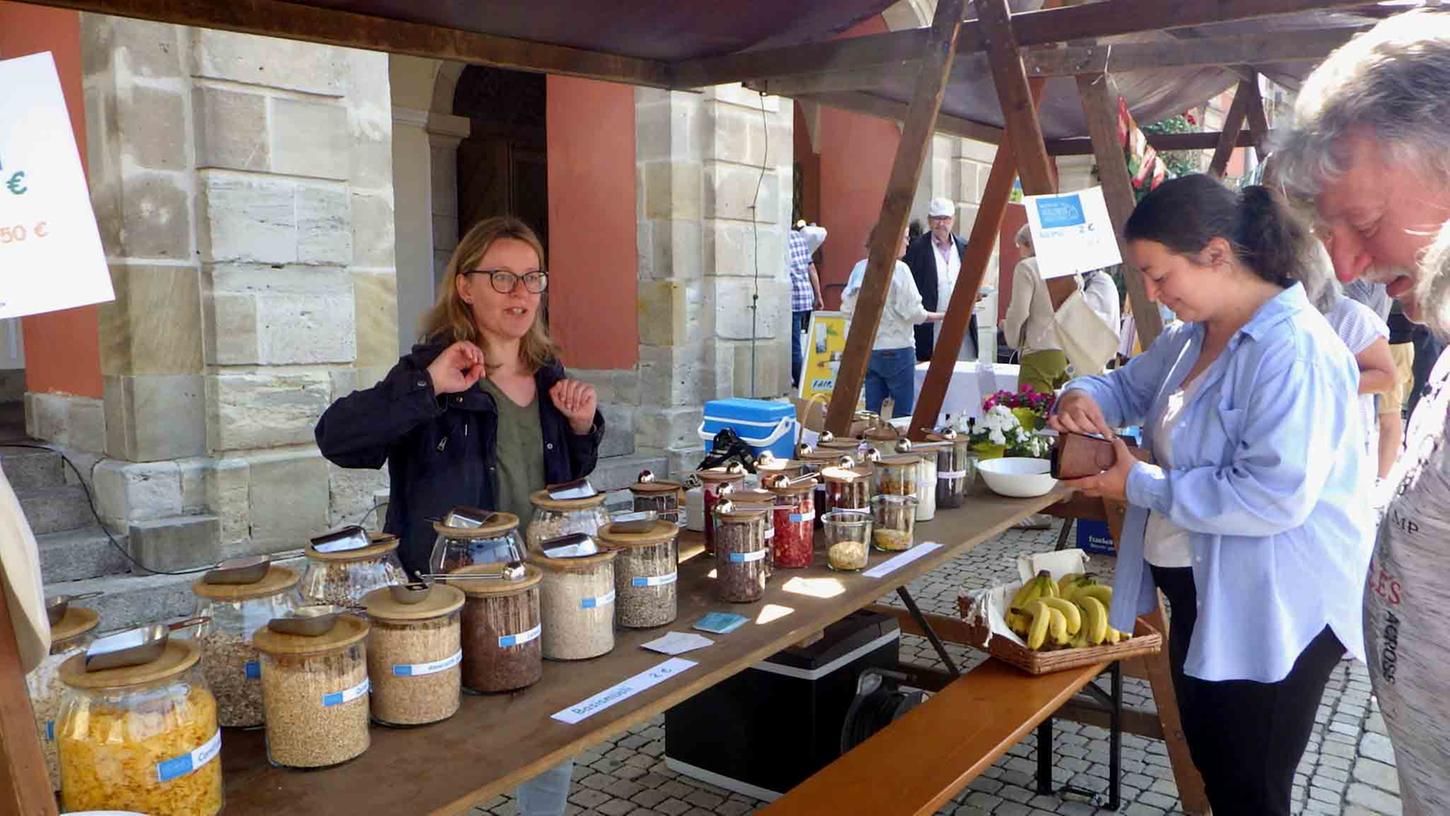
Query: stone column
[(445, 131)]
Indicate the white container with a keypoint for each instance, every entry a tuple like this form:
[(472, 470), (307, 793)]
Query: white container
[(1017, 477)]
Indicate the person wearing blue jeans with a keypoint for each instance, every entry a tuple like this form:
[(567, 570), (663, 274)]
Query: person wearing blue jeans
[(893, 353), (799, 322), (805, 289)]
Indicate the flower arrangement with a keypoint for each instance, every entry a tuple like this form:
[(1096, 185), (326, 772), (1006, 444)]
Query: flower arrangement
[(1010, 421)]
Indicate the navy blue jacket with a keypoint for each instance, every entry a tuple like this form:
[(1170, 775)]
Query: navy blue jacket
[(440, 451)]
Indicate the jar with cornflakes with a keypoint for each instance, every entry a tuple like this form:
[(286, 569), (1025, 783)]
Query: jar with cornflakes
[(69, 637)]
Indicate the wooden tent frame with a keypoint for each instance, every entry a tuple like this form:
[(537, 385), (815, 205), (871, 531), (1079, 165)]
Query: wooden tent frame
[(834, 72)]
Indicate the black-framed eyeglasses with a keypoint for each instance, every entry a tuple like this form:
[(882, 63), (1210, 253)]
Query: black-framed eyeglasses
[(505, 282)]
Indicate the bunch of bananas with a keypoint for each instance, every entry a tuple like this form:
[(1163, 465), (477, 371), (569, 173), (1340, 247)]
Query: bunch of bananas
[(1064, 614)]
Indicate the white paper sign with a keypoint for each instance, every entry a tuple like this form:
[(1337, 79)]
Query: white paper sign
[(1072, 233), (50, 251), (678, 643), (623, 691), (896, 562)]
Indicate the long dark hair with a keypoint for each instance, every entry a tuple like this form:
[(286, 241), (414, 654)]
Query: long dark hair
[(1185, 213)]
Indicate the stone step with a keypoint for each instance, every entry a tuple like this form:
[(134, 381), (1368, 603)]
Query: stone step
[(75, 555), (53, 509), (30, 469)]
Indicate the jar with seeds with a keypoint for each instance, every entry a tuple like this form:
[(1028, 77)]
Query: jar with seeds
[(893, 522), (558, 517), (496, 540), (228, 659), (341, 577), (414, 652), (795, 517), (760, 500), (847, 488), (666, 498), (502, 625), (315, 692), (712, 483), (577, 600), (67, 638), (848, 539), (741, 562), (895, 475), (956, 469), (646, 570)]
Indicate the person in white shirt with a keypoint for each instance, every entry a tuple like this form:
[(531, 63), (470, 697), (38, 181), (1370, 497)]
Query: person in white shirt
[(935, 261), (893, 352), (1030, 324), (1101, 294)]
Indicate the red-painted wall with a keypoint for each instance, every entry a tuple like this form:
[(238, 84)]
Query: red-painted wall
[(62, 349), (593, 268), (855, 164)]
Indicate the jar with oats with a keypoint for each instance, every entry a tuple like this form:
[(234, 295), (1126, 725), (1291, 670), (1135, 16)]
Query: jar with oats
[(501, 629), (69, 637), (558, 517), (315, 691), (228, 659), (140, 738), (342, 578), (578, 601), (645, 573), (414, 654)]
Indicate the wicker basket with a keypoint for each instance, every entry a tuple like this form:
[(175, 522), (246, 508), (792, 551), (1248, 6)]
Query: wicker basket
[(1146, 640)]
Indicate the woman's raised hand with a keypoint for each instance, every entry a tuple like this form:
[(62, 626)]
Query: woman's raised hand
[(577, 402), (1078, 412), (457, 368)]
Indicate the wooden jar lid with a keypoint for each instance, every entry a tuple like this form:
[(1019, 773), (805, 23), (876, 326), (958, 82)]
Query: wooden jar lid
[(441, 600), (348, 629), (719, 474), (178, 656), (382, 544), (656, 487), (659, 533), (501, 525), (278, 579), (486, 587), (584, 563), (542, 500), (77, 621)]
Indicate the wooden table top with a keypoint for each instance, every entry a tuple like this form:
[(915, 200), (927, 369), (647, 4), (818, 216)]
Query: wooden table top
[(495, 742)]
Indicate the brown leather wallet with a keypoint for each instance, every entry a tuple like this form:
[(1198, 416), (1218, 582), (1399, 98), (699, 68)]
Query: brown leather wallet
[(1077, 455)]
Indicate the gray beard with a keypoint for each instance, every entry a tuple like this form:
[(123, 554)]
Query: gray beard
[(1432, 287)]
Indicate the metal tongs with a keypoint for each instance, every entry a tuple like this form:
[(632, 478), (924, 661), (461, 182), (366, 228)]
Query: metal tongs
[(343, 539), (245, 570), (308, 621), (134, 647), (512, 571), (57, 605), (576, 489)]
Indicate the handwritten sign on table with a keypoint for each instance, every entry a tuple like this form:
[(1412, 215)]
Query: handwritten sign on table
[(623, 691), (896, 562), (50, 251)]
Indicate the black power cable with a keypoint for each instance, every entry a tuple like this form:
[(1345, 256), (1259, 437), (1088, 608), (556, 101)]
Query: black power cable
[(755, 241)]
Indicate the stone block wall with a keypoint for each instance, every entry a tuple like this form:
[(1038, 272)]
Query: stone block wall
[(243, 187)]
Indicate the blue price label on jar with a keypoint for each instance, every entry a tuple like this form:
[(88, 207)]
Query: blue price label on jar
[(421, 669), (346, 695), (797, 518), (186, 763), (521, 638), (653, 580), (747, 557), (594, 603), (50, 730), (253, 670), (943, 475)]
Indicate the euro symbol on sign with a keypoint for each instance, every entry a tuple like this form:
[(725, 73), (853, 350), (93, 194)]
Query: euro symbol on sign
[(15, 184)]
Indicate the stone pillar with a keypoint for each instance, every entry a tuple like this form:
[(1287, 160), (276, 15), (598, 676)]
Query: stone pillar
[(445, 131)]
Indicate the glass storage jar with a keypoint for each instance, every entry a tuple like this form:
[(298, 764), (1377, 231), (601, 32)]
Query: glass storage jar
[(343, 578), (501, 628), (667, 499), (760, 500), (140, 738), (768, 465), (496, 541), (646, 571), (315, 691), (926, 478), (69, 637), (741, 563), (228, 659), (577, 600), (893, 520), (848, 539), (795, 516), (956, 469), (414, 654), (895, 475), (847, 488), (557, 517), (711, 483)]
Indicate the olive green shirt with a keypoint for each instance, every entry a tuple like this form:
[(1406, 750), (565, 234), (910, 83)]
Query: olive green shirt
[(519, 449)]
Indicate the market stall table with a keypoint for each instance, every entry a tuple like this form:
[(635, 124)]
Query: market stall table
[(495, 742), (970, 384)]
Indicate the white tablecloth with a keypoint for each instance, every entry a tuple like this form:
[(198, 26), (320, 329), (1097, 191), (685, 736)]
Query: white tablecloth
[(969, 387)]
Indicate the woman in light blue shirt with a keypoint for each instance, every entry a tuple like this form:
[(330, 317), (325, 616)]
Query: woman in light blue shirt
[(1255, 521)]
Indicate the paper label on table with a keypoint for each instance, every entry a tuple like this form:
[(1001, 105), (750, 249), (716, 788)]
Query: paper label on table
[(653, 580), (678, 643), (594, 603), (951, 474), (521, 638), (346, 695), (897, 562), (1072, 233), (747, 557), (186, 763), (252, 670), (421, 669), (50, 249), (623, 691), (797, 518)]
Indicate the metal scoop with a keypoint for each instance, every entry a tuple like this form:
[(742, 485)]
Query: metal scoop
[(308, 621), (573, 545), (639, 521), (57, 605), (577, 489), (134, 647), (410, 593), (469, 517), (245, 570), (351, 537)]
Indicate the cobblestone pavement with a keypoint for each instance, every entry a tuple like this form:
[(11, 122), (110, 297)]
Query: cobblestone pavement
[(1348, 767)]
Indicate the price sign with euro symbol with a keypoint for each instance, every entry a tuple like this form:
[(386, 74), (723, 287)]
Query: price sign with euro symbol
[(50, 250)]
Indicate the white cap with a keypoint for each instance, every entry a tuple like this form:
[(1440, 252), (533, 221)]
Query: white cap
[(941, 207)]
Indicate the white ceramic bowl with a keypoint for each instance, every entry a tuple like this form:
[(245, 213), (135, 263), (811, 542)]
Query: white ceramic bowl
[(1018, 477)]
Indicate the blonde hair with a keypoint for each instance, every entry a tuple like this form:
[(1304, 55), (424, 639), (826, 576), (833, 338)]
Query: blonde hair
[(451, 319)]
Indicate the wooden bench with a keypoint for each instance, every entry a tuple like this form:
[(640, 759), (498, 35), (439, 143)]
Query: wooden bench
[(919, 762)]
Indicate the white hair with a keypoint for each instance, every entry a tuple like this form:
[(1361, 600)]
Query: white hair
[(1316, 271), (1024, 237), (1391, 83), (1432, 288)]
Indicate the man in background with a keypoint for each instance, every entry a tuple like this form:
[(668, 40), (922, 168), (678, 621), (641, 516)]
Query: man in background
[(935, 259), (805, 289)]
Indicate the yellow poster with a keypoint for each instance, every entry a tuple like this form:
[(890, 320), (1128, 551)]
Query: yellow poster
[(825, 343)]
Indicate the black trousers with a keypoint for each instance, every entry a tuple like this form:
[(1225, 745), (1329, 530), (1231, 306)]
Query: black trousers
[(1245, 737)]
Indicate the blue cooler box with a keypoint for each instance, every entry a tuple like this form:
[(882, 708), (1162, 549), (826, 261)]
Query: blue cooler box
[(762, 424)]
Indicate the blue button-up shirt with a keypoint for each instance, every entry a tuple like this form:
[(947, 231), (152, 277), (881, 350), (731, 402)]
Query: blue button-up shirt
[(1270, 479)]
